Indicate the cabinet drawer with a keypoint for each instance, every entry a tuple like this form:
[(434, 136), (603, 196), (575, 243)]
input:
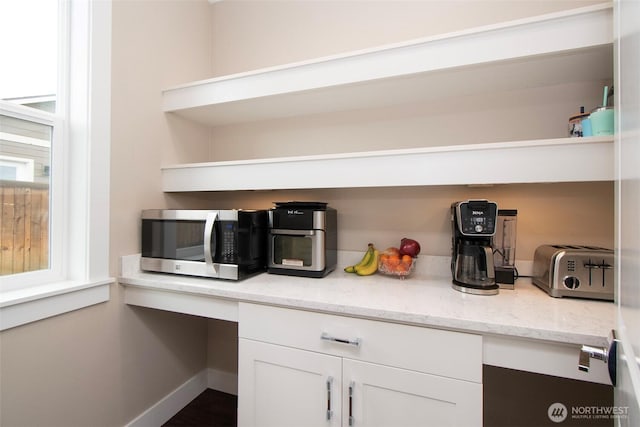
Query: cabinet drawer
[(433, 351)]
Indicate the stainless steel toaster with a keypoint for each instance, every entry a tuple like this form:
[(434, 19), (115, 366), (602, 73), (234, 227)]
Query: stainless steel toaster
[(574, 271)]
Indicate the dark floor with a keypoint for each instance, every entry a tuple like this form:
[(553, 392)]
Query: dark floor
[(210, 409)]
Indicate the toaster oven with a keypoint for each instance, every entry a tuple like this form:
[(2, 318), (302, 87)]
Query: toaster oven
[(302, 239), (574, 271)]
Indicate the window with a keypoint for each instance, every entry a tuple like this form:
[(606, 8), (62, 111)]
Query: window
[(54, 135), (28, 121), (25, 192), (15, 169)]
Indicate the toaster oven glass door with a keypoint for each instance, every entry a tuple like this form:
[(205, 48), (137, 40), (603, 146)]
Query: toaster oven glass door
[(291, 250), (173, 239)]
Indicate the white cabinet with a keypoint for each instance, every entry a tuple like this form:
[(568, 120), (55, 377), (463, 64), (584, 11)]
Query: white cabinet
[(382, 396), (557, 49), (281, 386), (302, 368)]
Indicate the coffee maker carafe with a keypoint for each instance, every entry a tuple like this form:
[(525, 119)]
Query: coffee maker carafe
[(473, 224)]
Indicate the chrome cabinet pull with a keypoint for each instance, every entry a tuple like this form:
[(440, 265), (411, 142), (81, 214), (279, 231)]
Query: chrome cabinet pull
[(351, 386), (607, 355), (329, 411), (588, 352), (355, 342)]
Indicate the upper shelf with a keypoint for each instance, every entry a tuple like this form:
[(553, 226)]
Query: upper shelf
[(537, 161), (562, 47)]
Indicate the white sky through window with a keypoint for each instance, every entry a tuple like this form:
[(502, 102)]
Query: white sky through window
[(28, 48)]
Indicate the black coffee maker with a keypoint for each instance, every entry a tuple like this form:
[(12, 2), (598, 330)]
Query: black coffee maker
[(473, 224)]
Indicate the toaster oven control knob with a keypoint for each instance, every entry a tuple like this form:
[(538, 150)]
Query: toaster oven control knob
[(479, 228), (571, 282)]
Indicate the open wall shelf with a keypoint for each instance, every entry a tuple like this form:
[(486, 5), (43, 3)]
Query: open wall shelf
[(569, 46), (552, 160), (553, 49)]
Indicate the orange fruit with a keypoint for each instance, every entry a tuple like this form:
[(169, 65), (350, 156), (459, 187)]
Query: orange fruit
[(392, 250)]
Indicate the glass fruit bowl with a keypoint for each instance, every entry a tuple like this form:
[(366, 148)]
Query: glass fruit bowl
[(397, 266)]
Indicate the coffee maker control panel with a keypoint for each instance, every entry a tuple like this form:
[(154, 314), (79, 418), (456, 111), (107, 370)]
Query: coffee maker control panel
[(477, 218)]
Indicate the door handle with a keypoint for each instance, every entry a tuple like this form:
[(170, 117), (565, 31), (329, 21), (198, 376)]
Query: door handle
[(355, 342), (210, 237), (352, 384), (329, 411), (607, 355)]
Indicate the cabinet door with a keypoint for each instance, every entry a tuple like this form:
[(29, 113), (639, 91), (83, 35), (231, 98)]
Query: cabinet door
[(282, 386), (627, 392), (382, 396)]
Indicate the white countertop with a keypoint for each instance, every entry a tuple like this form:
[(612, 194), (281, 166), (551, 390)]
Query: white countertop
[(426, 299)]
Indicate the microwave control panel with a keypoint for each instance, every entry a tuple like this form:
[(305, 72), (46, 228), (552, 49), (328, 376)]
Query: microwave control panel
[(226, 247)]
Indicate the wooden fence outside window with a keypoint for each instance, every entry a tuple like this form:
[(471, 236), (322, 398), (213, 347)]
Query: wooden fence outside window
[(24, 227)]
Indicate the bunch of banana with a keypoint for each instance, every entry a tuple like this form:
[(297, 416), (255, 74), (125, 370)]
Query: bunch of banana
[(368, 264)]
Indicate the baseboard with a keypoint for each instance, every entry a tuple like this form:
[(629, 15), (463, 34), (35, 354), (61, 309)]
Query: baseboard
[(172, 403), (223, 381)]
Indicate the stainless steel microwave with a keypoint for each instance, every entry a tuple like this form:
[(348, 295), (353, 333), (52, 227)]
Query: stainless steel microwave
[(223, 244)]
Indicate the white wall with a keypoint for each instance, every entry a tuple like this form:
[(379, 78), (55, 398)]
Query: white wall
[(252, 34), (547, 213), (106, 364)]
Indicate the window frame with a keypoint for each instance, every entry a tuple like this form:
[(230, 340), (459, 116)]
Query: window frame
[(79, 231)]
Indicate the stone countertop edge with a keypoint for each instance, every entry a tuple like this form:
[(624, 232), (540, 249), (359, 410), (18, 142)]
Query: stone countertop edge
[(424, 299)]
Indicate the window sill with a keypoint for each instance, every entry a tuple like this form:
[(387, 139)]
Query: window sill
[(27, 305)]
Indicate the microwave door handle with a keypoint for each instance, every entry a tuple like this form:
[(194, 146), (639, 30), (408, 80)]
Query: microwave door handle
[(210, 237)]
